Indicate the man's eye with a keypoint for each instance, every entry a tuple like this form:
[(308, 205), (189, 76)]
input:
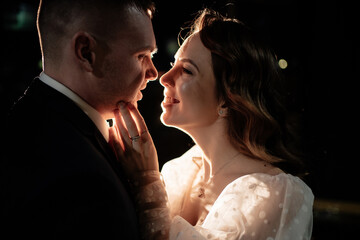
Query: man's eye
[(141, 56)]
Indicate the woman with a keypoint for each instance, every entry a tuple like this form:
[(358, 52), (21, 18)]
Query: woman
[(239, 180)]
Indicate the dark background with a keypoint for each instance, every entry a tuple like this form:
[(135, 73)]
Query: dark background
[(318, 39)]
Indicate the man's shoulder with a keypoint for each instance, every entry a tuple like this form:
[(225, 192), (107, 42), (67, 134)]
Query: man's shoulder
[(47, 125), (37, 102), (44, 110)]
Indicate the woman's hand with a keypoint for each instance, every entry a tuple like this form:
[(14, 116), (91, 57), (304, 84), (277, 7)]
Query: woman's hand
[(132, 142), (136, 152)]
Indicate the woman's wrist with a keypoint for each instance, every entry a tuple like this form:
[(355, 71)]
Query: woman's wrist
[(143, 178)]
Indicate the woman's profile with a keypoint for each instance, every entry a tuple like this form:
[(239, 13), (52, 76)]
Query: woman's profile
[(240, 180)]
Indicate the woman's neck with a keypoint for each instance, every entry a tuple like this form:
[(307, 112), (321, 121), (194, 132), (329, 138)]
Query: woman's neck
[(217, 149)]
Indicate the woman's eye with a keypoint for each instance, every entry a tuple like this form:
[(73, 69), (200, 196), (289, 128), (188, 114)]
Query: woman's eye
[(184, 70), (187, 71)]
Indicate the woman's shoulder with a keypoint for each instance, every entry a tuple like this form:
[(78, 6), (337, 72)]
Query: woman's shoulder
[(191, 157), (263, 204), (263, 189), (179, 171), (276, 184)]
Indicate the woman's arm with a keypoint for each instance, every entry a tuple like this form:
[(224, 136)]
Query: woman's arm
[(135, 150)]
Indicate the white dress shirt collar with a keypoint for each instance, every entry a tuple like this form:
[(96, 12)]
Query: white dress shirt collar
[(93, 114)]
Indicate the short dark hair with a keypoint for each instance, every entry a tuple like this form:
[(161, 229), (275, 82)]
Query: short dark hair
[(249, 82), (55, 18)]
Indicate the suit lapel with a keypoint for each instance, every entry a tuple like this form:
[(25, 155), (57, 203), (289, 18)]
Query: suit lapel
[(80, 120), (110, 156)]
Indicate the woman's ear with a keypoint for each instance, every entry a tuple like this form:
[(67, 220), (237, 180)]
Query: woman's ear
[(84, 49), (222, 109)]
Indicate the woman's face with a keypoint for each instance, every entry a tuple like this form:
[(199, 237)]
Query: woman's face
[(190, 92)]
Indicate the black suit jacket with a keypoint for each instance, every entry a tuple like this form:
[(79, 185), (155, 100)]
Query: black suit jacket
[(59, 177)]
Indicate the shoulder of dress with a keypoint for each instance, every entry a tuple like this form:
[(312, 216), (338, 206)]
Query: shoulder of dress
[(270, 203), (184, 160), (280, 185)]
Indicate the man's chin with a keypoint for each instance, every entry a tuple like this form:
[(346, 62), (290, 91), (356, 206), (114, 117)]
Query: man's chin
[(135, 103)]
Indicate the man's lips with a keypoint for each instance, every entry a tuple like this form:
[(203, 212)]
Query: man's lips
[(139, 94)]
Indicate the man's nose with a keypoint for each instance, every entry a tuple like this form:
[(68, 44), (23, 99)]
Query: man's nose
[(152, 73)]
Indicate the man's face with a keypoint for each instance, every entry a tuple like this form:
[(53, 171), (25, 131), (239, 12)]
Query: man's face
[(128, 66)]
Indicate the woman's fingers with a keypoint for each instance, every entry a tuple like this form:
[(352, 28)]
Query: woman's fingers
[(130, 123), (122, 129), (115, 143), (132, 128), (141, 125), (138, 152), (124, 158), (147, 145)]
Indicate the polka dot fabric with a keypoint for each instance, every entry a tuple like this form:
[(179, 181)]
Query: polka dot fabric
[(256, 206)]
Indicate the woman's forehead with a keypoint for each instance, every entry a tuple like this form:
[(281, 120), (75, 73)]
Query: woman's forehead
[(194, 49)]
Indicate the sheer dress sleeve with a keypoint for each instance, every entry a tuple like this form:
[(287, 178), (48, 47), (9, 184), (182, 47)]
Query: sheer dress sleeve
[(256, 206), (152, 205), (151, 196)]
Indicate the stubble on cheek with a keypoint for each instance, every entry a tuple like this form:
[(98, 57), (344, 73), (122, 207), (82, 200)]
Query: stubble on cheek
[(128, 87), (110, 87)]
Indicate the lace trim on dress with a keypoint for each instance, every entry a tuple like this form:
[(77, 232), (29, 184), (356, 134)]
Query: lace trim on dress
[(152, 205)]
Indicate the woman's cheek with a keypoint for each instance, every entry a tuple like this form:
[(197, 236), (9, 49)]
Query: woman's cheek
[(188, 92)]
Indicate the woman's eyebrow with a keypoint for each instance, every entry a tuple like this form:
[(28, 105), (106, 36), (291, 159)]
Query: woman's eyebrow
[(189, 61)]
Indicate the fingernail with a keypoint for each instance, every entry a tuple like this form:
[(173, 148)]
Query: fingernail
[(121, 105)]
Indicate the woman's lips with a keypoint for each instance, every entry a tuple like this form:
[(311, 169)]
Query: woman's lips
[(168, 101)]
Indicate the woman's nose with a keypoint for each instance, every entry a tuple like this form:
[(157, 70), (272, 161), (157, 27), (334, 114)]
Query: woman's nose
[(167, 79)]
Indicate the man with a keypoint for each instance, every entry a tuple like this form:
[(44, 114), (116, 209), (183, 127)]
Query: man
[(60, 178)]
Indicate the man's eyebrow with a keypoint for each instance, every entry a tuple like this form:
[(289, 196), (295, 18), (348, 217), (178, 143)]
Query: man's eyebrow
[(189, 61), (151, 49), (154, 51)]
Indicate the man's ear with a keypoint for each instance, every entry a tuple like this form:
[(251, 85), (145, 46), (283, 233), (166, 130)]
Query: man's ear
[(84, 49)]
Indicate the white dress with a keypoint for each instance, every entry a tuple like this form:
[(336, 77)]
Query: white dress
[(255, 206)]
